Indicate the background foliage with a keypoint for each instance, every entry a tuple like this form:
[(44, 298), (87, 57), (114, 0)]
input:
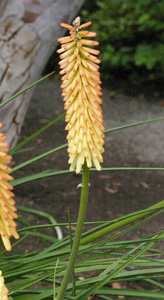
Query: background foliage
[(131, 36)]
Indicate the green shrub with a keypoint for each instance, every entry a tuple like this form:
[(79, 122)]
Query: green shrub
[(131, 35)]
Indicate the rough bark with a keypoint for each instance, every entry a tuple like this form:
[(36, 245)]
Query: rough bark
[(28, 35)]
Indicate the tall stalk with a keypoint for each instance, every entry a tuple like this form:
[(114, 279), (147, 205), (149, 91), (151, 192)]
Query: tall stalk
[(81, 94), (79, 228)]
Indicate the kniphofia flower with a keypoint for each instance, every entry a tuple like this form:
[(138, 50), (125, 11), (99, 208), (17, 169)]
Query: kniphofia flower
[(3, 289), (7, 203), (81, 92)]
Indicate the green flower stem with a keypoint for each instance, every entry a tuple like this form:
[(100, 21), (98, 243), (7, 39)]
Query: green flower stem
[(79, 228), (120, 224)]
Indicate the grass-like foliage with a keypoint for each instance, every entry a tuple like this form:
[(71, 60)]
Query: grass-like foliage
[(109, 260)]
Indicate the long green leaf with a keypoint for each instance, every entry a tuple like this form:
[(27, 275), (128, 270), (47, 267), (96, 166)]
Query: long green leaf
[(133, 125), (26, 89), (12, 151), (50, 173), (131, 293), (32, 160)]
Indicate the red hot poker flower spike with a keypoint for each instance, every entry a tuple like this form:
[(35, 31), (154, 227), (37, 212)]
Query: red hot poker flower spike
[(81, 93)]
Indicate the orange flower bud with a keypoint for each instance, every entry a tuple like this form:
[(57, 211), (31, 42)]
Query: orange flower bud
[(81, 91)]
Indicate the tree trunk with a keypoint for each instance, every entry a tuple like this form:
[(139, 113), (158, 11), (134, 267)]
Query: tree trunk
[(28, 35)]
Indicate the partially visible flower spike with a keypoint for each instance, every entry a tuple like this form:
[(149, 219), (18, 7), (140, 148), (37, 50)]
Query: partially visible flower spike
[(3, 289), (81, 93), (7, 204)]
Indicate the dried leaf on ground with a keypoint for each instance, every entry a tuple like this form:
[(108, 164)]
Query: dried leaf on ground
[(72, 227), (109, 190), (144, 184), (104, 176), (116, 285)]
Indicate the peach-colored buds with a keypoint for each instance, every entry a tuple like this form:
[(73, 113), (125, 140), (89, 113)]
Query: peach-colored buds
[(81, 91), (3, 289), (7, 204)]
